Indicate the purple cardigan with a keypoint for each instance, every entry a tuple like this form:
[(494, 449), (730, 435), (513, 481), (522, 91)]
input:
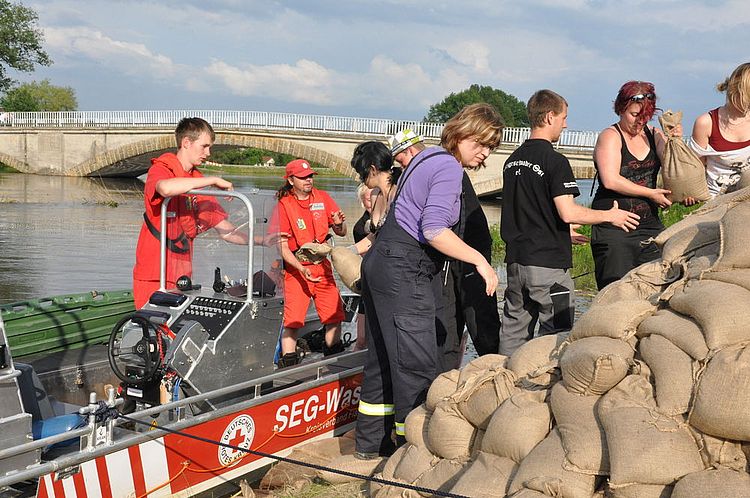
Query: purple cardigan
[(430, 200)]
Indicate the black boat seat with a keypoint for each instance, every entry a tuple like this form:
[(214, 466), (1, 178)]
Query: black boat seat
[(49, 416)]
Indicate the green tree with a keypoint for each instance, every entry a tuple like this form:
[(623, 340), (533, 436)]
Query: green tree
[(39, 96), (510, 108), (20, 41)]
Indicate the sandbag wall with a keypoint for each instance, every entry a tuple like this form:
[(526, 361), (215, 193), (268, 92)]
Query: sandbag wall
[(647, 396)]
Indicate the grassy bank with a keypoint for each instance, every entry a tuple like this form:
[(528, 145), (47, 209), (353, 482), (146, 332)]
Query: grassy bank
[(583, 261)]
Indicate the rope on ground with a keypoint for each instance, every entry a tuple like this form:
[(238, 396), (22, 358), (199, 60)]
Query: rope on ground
[(354, 475)]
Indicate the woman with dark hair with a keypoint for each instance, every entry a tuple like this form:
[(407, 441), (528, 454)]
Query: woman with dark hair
[(374, 164), (470, 136), (627, 158)]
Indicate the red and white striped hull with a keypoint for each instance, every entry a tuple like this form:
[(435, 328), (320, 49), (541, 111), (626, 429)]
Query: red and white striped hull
[(175, 465)]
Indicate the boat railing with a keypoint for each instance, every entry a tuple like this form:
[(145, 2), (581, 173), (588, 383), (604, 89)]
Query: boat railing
[(314, 374)]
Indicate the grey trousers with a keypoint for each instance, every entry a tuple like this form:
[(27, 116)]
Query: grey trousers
[(535, 296)]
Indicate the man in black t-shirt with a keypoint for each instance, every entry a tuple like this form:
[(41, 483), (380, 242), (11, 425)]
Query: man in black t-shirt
[(538, 208)]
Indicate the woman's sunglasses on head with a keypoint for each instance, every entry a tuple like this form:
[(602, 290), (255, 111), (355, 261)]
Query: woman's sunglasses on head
[(642, 96)]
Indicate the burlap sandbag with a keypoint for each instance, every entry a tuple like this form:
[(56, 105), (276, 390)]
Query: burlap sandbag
[(479, 396), (443, 386), (542, 470), (527, 493), (711, 212), (690, 240), (414, 462), (682, 171), (594, 365), (720, 309), (520, 423), (673, 373), (536, 360), (442, 476), (476, 446), (678, 329), (487, 476), (318, 452), (641, 491), (722, 483), (347, 265), (582, 435), (717, 452), (645, 447), (349, 463), (480, 365), (312, 252), (616, 320), (735, 238), (388, 469), (736, 276), (416, 426), (644, 282), (449, 434), (721, 406)]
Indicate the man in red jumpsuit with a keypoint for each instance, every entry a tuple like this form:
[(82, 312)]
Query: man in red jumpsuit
[(172, 175), (305, 215)]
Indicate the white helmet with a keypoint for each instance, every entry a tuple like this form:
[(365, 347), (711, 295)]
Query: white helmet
[(403, 140)]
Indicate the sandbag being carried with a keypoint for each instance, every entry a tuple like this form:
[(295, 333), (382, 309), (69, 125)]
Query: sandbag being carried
[(348, 266), (645, 447), (313, 252), (487, 476), (520, 423), (721, 406), (581, 432), (594, 365), (682, 171)]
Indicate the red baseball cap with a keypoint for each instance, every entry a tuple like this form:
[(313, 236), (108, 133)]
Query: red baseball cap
[(299, 168)]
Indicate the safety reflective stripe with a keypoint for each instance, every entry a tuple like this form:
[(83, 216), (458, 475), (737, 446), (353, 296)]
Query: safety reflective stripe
[(375, 410), (400, 431)]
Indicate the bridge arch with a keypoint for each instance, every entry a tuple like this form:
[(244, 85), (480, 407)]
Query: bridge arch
[(108, 162)]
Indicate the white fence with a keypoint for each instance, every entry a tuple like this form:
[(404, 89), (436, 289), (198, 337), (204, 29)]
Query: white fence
[(257, 120)]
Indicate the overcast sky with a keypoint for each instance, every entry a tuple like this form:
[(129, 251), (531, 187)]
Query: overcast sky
[(389, 58)]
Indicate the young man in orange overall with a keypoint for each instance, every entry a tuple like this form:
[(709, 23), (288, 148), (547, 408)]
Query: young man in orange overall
[(305, 215), (172, 175)]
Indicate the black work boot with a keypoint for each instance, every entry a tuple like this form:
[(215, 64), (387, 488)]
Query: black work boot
[(334, 349), (289, 360)]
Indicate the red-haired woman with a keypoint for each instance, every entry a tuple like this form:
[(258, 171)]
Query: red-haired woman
[(627, 157)]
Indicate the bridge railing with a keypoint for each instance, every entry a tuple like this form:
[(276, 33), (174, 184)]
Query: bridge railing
[(261, 120)]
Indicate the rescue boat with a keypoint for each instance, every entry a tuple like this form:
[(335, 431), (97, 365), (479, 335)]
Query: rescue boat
[(192, 399)]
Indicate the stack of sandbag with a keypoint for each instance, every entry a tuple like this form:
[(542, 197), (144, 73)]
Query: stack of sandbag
[(647, 396)]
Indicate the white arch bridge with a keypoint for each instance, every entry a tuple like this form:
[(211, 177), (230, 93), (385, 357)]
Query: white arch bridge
[(121, 143)]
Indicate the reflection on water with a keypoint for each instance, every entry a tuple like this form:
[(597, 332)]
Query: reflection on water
[(60, 234)]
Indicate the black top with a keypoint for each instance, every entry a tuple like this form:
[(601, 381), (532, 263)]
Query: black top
[(473, 223), (359, 231), (531, 227), (644, 172)]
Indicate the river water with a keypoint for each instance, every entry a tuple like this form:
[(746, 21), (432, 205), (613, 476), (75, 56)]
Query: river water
[(60, 235)]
